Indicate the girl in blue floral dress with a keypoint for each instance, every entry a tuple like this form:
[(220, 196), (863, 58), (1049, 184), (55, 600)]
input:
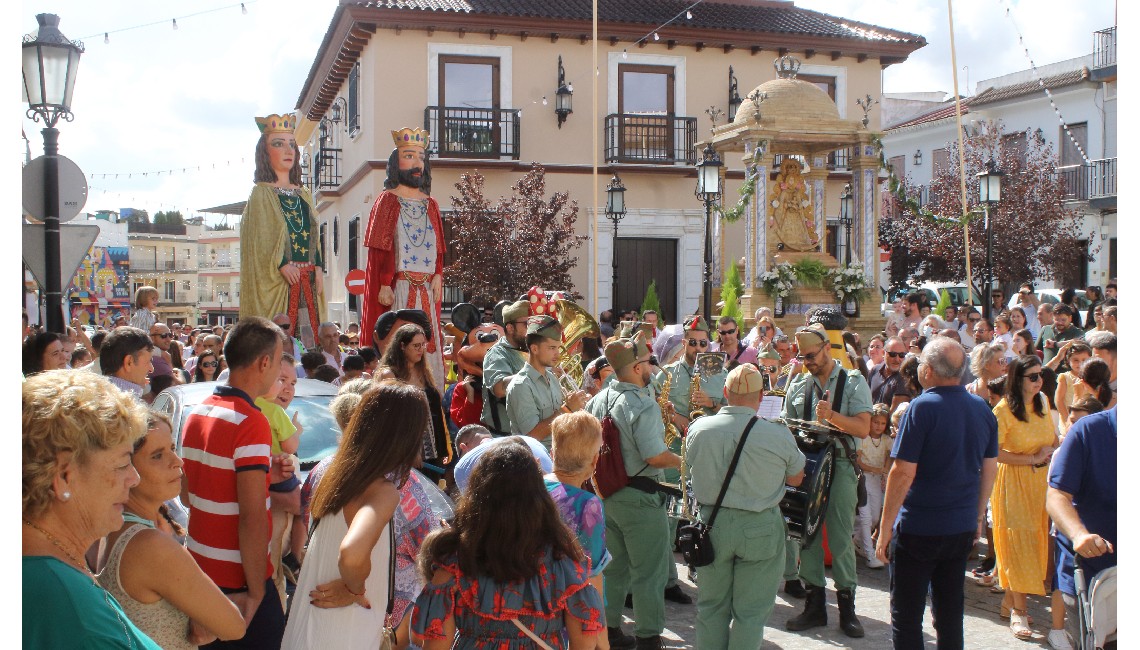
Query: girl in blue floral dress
[(508, 567)]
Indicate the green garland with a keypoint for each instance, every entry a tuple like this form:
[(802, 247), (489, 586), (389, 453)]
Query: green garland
[(733, 214), (898, 189)]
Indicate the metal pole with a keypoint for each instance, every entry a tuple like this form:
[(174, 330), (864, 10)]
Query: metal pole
[(987, 297), (708, 259), (53, 289), (613, 260), (847, 230)]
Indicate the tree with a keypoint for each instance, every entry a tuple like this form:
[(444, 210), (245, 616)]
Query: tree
[(1035, 236), (173, 218), (524, 240), (651, 302)]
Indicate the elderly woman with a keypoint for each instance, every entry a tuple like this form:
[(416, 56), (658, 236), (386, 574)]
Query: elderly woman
[(987, 362), (577, 447), (44, 351), (78, 435)]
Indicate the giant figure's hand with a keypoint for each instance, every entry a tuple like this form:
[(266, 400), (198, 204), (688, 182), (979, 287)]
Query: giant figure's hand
[(386, 296), (437, 288), (291, 273), (319, 281)]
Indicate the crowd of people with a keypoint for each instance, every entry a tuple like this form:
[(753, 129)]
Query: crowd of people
[(570, 493)]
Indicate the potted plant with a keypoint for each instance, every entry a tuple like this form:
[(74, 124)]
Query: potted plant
[(850, 286), (778, 284)]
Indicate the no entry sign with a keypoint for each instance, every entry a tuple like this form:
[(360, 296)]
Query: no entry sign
[(354, 282)]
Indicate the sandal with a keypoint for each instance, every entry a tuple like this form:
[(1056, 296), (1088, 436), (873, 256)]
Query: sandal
[(1005, 611), (1019, 625)]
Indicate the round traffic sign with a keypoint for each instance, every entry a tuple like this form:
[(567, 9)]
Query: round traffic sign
[(354, 282), (72, 188)]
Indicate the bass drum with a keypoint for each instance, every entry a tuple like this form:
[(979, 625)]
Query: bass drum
[(804, 507)]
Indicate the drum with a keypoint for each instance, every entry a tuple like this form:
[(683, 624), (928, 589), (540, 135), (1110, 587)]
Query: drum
[(804, 506)]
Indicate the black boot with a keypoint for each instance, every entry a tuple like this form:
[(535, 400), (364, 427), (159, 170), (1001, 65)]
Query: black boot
[(814, 614), (649, 642), (620, 640), (675, 595), (848, 622), (794, 588)]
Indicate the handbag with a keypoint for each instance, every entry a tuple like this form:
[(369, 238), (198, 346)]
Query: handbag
[(695, 539), (388, 634)]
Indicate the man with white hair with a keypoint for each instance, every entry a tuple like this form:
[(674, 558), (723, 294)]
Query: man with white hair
[(328, 336)]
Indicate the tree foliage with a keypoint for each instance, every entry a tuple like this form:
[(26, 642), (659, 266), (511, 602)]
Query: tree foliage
[(1034, 235), (651, 302), (730, 291), (173, 218), (523, 240)]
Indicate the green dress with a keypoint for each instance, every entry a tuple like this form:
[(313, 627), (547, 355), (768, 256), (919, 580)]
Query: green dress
[(66, 609)]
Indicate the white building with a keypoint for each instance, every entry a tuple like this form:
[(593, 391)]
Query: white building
[(219, 270), (918, 129)]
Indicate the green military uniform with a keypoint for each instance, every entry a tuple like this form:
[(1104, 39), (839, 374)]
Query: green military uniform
[(637, 530), (739, 587), (501, 362), (533, 395), (840, 518)]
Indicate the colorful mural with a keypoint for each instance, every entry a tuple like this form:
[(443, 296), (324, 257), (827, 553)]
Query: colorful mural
[(100, 290)]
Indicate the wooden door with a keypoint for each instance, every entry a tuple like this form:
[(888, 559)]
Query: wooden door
[(641, 261)]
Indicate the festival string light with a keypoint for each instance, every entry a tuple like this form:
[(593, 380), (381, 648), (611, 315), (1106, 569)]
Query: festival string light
[(1041, 82), (173, 22), (189, 169), (687, 12)]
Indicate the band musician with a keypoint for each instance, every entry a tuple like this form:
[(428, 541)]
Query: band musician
[(503, 361), (831, 394)]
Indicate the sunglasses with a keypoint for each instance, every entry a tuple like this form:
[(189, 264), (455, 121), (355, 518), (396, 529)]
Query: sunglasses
[(209, 364), (1033, 376), (285, 326), (727, 332), (809, 355), (704, 343), (897, 355), (771, 368), (162, 336)]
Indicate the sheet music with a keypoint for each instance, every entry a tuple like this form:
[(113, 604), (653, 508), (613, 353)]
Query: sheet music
[(770, 407)]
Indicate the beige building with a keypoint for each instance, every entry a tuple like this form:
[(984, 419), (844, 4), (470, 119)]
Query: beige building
[(484, 81), (165, 256), (219, 270)]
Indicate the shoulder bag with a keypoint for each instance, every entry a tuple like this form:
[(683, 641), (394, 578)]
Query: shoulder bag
[(695, 538)]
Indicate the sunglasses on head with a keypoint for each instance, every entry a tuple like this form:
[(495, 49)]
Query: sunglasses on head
[(897, 355), (704, 343), (1033, 376), (727, 332)]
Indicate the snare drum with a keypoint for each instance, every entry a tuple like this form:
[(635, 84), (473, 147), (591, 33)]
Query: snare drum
[(804, 507)]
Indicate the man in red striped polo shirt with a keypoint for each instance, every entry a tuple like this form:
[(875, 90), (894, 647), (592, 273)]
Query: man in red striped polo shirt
[(226, 449)]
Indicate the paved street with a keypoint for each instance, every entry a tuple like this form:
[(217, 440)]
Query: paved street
[(983, 627)]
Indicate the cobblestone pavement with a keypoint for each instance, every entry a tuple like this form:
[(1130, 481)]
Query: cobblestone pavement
[(983, 628)]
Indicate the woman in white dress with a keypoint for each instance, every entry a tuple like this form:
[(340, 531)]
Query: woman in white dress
[(343, 590)]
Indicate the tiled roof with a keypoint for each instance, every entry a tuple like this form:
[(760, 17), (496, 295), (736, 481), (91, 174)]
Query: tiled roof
[(941, 113), (999, 93), (760, 16)]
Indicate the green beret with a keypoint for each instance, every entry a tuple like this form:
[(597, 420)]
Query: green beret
[(626, 352), (544, 326), (516, 311), (696, 324)]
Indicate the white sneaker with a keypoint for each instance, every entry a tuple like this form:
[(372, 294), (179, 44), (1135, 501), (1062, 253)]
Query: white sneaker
[(874, 563), (1058, 640)]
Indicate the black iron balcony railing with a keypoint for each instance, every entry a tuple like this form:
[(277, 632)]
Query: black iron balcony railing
[(653, 139), (326, 168), (474, 132), (163, 265), (1102, 178), (1074, 178), (1104, 48)]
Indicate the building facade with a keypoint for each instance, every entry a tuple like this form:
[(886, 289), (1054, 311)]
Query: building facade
[(165, 256), (484, 80), (917, 139), (219, 271)]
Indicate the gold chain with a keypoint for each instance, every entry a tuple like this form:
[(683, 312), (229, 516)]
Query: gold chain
[(58, 544)]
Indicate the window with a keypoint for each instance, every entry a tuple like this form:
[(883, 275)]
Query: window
[(941, 160), (646, 109), (1015, 146), (185, 285), (898, 166), (353, 254), (168, 290), (826, 84), (468, 81), (645, 90), (336, 235), (324, 240), (1069, 153), (470, 122), (354, 99)]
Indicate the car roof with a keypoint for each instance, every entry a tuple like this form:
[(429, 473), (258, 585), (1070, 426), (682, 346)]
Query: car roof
[(194, 393)]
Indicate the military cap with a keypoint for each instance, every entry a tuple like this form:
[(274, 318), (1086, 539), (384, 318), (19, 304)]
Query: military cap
[(812, 336), (516, 311), (626, 352), (696, 324), (766, 351), (545, 326), (744, 379)]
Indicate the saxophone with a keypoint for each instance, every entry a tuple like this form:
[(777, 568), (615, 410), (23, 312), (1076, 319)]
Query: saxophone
[(663, 401)]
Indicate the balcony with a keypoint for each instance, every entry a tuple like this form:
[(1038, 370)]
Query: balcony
[(651, 139), (474, 132), (326, 168), (1094, 182), (150, 266), (1104, 55), (134, 227)]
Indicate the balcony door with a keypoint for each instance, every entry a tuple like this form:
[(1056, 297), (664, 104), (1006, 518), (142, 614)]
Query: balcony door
[(646, 110), (469, 101)]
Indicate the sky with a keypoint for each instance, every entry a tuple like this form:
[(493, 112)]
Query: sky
[(155, 98)]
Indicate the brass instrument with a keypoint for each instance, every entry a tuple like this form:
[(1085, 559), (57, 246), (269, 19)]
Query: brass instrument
[(706, 364), (663, 402), (785, 374), (576, 325)]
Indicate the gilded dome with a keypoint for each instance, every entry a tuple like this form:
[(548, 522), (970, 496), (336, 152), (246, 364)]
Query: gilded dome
[(789, 99)]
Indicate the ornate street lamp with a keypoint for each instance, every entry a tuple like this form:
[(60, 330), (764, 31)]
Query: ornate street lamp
[(709, 191), (846, 206), (615, 212), (564, 96), (989, 194), (734, 100), (50, 62)]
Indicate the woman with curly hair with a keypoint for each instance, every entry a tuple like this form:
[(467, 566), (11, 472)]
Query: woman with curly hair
[(405, 359), (508, 574)]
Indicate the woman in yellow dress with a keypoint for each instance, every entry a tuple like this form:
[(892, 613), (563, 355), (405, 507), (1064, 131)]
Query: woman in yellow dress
[(1026, 440)]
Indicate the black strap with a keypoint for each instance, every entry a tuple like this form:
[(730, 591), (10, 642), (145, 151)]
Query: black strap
[(840, 384), (391, 564), (731, 470)]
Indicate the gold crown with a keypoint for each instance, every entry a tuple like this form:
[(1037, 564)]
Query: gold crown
[(416, 137), (276, 123)]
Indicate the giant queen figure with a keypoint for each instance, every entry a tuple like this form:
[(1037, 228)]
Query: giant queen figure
[(405, 246), (282, 269)]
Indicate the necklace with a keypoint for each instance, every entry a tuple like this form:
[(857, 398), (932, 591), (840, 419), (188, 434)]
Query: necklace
[(287, 191), (413, 216), (873, 443)]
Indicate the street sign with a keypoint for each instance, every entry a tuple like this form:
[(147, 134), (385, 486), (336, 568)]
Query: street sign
[(75, 241), (72, 188), (354, 282)]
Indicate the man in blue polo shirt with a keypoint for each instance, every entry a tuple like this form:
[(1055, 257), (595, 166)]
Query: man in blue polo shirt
[(945, 465)]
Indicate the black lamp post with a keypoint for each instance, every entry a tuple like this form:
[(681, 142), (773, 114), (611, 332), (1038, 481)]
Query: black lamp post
[(50, 61), (564, 96), (615, 212), (734, 100), (846, 203), (708, 190), (989, 194)]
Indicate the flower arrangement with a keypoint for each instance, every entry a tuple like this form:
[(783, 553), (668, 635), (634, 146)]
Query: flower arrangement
[(849, 283), (779, 282)]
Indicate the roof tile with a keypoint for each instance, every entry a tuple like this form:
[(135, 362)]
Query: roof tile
[(999, 93)]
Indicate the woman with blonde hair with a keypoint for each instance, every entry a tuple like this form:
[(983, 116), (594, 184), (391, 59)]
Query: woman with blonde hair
[(988, 362), (160, 587), (78, 434)]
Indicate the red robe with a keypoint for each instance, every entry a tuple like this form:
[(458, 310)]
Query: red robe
[(379, 240)]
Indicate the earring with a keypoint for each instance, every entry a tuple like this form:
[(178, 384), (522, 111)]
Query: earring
[(65, 496)]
